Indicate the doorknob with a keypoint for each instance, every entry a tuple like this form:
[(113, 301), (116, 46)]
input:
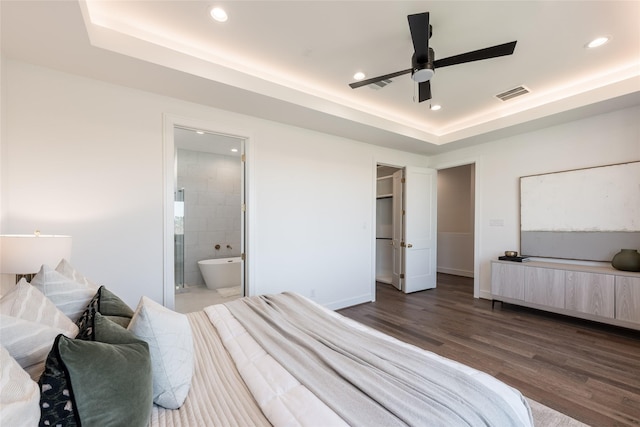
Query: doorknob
[(409, 245)]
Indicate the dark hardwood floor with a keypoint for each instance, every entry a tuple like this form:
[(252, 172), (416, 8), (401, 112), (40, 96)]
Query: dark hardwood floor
[(586, 370)]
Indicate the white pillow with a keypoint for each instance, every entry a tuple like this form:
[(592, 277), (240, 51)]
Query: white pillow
[(28, 342), (69, 296), (19, 394), (171, 347), (67, 270), (28, 303)]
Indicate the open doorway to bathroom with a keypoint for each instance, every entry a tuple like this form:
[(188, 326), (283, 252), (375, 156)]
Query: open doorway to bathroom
[(208, 218)]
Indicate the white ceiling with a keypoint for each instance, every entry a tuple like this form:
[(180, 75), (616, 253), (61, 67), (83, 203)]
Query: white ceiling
[(292, 61)]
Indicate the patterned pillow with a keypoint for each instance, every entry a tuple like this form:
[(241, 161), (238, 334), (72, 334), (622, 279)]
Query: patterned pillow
[(97, 383), (109, 305), (69, 296), (35, 324), (19, 394), (27, 342), (67, 270), (28, 303), (171, 346)]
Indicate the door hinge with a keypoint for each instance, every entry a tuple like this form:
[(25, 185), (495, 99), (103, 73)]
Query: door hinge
[(402, 245), (242, 257), (402, 275), (243, 158), (403, 180), (244, 207)]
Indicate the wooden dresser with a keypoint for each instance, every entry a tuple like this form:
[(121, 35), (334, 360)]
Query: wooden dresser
[(602, 294)]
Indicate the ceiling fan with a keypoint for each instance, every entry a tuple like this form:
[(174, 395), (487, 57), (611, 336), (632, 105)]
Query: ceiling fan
[(423, 62)]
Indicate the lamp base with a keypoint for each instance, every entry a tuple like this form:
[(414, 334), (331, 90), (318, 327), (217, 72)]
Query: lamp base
[(27, 277)]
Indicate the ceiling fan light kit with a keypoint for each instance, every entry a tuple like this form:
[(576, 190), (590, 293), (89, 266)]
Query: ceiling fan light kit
[(422, 72), (421, 75), (423, 62)]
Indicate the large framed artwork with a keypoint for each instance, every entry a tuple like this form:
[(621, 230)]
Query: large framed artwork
[(582, 214)]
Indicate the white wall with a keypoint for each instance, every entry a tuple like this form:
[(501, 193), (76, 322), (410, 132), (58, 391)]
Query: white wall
[(85, 158), (599, 140)]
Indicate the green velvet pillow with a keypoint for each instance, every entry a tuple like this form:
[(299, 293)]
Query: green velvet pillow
[(107, 331), (108, 304), (95, 383)]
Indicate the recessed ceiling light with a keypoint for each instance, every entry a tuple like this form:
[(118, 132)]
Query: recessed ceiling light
[(435, 107), (199, 132), (597, 42), (359, 75), (219, 14), (235, 150)]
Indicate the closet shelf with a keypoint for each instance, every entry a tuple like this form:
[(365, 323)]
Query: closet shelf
[(384, 187)]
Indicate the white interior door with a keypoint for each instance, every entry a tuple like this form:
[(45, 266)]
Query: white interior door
[(397, 231), (420, 228)]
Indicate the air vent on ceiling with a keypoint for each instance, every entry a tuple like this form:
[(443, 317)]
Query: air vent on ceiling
[(380, 84), (512, 93)]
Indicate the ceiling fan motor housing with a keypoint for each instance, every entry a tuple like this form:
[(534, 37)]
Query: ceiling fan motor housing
[(422, 72)]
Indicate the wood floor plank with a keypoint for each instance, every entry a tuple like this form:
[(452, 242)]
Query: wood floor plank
[(587, 370)]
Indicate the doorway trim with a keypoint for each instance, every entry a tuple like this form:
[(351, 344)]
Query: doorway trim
[(170, 121), (476, 216)]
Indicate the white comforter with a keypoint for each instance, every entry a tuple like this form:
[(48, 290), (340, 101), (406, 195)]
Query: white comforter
[(286, 402), (283, 400)]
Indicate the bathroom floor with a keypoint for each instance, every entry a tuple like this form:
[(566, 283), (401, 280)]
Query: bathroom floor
[(195, 298)]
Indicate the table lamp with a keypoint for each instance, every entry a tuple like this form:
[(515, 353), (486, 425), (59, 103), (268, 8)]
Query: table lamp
[(24, 254)]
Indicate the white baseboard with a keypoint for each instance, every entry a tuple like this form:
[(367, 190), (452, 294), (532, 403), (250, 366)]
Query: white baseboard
[(485, 295), (455, 271), (349, 302)]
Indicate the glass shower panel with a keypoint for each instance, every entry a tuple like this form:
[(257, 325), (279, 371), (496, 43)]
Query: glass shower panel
[(178, 209)]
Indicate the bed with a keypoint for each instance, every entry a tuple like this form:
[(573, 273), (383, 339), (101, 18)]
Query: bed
[(279, 360), (349, 374)]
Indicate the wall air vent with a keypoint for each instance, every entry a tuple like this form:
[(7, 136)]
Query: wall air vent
[(512, 93), (380, 84)]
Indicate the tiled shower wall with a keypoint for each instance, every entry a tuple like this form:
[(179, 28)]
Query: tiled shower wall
[(212, 211)]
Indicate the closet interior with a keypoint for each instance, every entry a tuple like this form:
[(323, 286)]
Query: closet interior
[(388, 224)]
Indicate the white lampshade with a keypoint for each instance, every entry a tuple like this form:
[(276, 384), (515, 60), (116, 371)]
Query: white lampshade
[(25, 254)]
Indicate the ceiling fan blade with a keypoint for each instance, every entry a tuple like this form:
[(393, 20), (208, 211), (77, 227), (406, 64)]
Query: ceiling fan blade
[(361, 83), (477, 55), (419, 27), (424, 91)]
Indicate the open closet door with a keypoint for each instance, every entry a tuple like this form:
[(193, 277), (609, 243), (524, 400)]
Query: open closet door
[(420, 229), (397, 231)]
